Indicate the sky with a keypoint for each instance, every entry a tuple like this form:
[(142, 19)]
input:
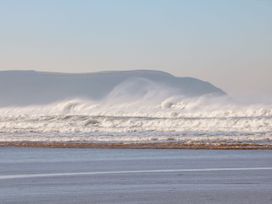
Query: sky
[(225, 42)]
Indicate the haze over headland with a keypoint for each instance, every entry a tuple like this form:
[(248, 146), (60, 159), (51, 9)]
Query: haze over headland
[(32, 87)]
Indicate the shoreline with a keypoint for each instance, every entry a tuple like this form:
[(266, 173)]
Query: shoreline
[(168, 145)]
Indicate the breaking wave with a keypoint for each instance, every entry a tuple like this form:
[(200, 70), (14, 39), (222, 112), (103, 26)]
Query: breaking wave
[(152, 113)]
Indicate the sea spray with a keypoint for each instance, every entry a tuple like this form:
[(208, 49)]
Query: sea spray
[(147, 118)]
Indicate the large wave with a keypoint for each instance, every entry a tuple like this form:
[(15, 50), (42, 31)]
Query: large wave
[(140, 110)]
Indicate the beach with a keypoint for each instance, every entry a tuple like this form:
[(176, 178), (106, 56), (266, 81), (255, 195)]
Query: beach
[(89, 175)]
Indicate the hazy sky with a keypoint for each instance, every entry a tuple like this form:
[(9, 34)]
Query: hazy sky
[(226, 42)]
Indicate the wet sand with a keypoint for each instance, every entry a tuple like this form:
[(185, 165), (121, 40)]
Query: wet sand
[(167, 145), (133, 176)]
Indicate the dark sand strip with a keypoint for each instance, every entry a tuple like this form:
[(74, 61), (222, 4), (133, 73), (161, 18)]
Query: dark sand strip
[(167, 145)]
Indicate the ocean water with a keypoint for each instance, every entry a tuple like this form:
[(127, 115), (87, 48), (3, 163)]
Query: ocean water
[(146, 117)]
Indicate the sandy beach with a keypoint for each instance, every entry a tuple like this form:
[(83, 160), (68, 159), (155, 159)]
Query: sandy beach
[(133, 176)]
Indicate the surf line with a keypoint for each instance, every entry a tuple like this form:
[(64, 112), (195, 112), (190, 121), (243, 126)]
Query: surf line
[(43, 175)]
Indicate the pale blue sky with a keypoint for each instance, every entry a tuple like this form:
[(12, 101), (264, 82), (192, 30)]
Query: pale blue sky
[(226, 42)]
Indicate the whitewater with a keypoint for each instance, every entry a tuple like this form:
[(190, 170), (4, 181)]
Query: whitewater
[(153, 114)]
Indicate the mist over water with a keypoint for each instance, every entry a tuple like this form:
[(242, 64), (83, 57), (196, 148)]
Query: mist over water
[(140, 110)]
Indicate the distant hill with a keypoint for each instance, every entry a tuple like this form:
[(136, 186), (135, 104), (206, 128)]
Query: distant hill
[(33, 87)]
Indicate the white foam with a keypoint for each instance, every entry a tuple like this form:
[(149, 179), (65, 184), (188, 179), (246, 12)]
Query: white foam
[(163, 117)]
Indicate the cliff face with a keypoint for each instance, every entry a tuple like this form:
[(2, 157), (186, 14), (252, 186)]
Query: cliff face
[(32, 87)]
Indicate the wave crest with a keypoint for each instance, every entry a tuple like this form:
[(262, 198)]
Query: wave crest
[(139, 110)]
